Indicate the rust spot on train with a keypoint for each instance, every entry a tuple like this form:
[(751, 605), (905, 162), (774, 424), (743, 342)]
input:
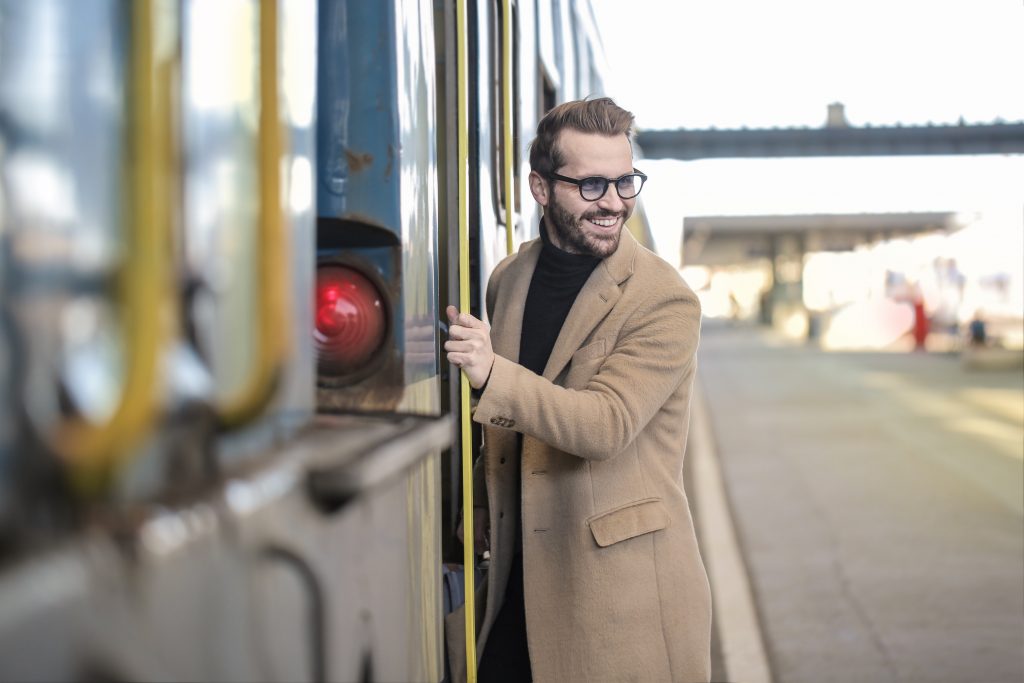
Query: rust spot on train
[(358, 162)]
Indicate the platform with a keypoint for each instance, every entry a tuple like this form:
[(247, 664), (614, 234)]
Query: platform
[(877, 500)]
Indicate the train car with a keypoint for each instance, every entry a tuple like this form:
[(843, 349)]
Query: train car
[(229, 440)]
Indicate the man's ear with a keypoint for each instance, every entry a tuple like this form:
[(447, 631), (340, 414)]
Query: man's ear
[(539, 188)]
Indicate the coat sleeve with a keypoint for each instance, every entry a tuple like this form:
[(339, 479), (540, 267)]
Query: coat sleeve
[(654, 354)]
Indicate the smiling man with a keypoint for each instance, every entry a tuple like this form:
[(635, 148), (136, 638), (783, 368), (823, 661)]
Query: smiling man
[(585, 383)]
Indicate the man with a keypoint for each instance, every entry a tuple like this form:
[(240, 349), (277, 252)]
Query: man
[(585, 377)]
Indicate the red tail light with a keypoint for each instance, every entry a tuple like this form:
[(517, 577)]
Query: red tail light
[(351, 320)]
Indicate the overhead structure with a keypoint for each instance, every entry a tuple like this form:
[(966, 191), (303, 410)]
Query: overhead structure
[(780, 244), (833, 140), (721, 240)]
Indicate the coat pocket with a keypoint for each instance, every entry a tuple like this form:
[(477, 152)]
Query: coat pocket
[(589, 352), (629, 520), (585, 364)]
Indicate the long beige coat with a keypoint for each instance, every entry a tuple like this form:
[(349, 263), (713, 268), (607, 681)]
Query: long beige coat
[(614, 584)]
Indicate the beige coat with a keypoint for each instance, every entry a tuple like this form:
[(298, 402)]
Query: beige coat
[(614, 584)]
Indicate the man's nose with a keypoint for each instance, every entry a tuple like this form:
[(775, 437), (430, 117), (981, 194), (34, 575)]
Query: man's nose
[(611, 201)]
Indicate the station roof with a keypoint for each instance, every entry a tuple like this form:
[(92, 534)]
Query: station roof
[(874, 223), (733, 239), (833, 140)]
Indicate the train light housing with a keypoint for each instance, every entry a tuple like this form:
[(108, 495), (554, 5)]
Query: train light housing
[(351, 321)]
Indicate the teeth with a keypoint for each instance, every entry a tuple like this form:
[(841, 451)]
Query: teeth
[(603, 222)]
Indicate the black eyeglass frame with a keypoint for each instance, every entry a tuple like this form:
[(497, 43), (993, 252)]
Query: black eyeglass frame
[(578, 182)]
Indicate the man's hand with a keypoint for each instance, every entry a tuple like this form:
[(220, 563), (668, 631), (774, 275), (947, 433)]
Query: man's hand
[(469, 346)]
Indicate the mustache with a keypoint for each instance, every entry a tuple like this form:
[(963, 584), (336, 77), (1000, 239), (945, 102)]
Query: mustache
[(604, 214)]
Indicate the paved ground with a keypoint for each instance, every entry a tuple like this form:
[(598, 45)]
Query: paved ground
[(878, 500)]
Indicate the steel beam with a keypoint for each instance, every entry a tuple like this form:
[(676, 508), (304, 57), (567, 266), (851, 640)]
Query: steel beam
[(685, 144)]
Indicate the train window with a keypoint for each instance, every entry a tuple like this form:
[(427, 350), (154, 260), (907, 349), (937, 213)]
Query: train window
[(549, 40), (220, 91), (516, 125), (546, 97), (556, 25), (595, 77), (499, 89), (498, 109), (497, 78)]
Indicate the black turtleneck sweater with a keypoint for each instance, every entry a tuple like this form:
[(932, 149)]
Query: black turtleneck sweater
[(556, 282), (559, 277)]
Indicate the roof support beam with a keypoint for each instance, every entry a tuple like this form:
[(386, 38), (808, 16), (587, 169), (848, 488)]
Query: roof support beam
[(684, 144)]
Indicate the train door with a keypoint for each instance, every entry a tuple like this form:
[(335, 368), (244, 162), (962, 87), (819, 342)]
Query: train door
[(376, 310), (183, 493)]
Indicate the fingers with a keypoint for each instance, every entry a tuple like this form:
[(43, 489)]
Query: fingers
[(465, 319), (465, 343), (469, 346), (466, 333)]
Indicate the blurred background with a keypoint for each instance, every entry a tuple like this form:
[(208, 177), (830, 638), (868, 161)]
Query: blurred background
[(231, 447), (832, 181)]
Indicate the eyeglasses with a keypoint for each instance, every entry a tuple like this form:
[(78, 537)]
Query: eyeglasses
[(595, 187)]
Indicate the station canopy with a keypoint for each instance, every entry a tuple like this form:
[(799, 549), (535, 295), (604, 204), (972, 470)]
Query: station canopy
[(721, 240)]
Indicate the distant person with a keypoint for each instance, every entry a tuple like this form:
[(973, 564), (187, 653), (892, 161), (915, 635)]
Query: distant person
[(765, 306), (586, 378), (735, 310), (921, 324), (976, 330)]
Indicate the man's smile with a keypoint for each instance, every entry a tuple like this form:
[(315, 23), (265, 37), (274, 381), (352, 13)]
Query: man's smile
[(604, 222)]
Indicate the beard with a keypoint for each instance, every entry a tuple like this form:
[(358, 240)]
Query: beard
[(574, 239)]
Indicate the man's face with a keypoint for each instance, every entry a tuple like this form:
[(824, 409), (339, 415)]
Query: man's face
[(574, 224)]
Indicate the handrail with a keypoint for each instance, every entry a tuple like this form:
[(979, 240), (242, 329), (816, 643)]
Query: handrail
[(412, 438), (508, 92), (142, 282), (271, 327), (462, 79)]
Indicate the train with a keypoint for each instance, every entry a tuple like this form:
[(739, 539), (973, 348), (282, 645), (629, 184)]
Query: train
[(230, 443)]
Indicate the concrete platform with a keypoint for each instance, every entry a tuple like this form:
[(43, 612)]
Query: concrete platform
[(878, 503)]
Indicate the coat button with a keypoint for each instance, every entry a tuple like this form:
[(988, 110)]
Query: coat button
[(501, 515), (511, 423), (502, 461)]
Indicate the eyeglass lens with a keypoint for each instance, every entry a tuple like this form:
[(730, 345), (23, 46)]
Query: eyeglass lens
[(594, 188)]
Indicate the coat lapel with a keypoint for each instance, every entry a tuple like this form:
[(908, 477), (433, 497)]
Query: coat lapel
[(592, 304), (506, 329)]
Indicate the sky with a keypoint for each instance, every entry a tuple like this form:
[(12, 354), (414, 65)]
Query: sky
[(736, 63), (733, 63)]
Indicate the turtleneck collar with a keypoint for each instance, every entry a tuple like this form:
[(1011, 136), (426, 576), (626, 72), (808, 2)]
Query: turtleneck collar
[(560, 259)]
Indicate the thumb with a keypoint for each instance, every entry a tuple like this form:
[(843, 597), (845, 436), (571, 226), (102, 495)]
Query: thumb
[(453, 314), (467, 320)]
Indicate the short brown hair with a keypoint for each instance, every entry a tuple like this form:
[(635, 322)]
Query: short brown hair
[(586, 116)]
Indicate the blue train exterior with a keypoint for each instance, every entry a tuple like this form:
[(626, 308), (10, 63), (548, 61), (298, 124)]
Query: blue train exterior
[(228, 447)]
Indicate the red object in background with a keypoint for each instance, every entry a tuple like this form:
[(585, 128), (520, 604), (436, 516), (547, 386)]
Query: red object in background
[(350, 323), (920, 324)]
